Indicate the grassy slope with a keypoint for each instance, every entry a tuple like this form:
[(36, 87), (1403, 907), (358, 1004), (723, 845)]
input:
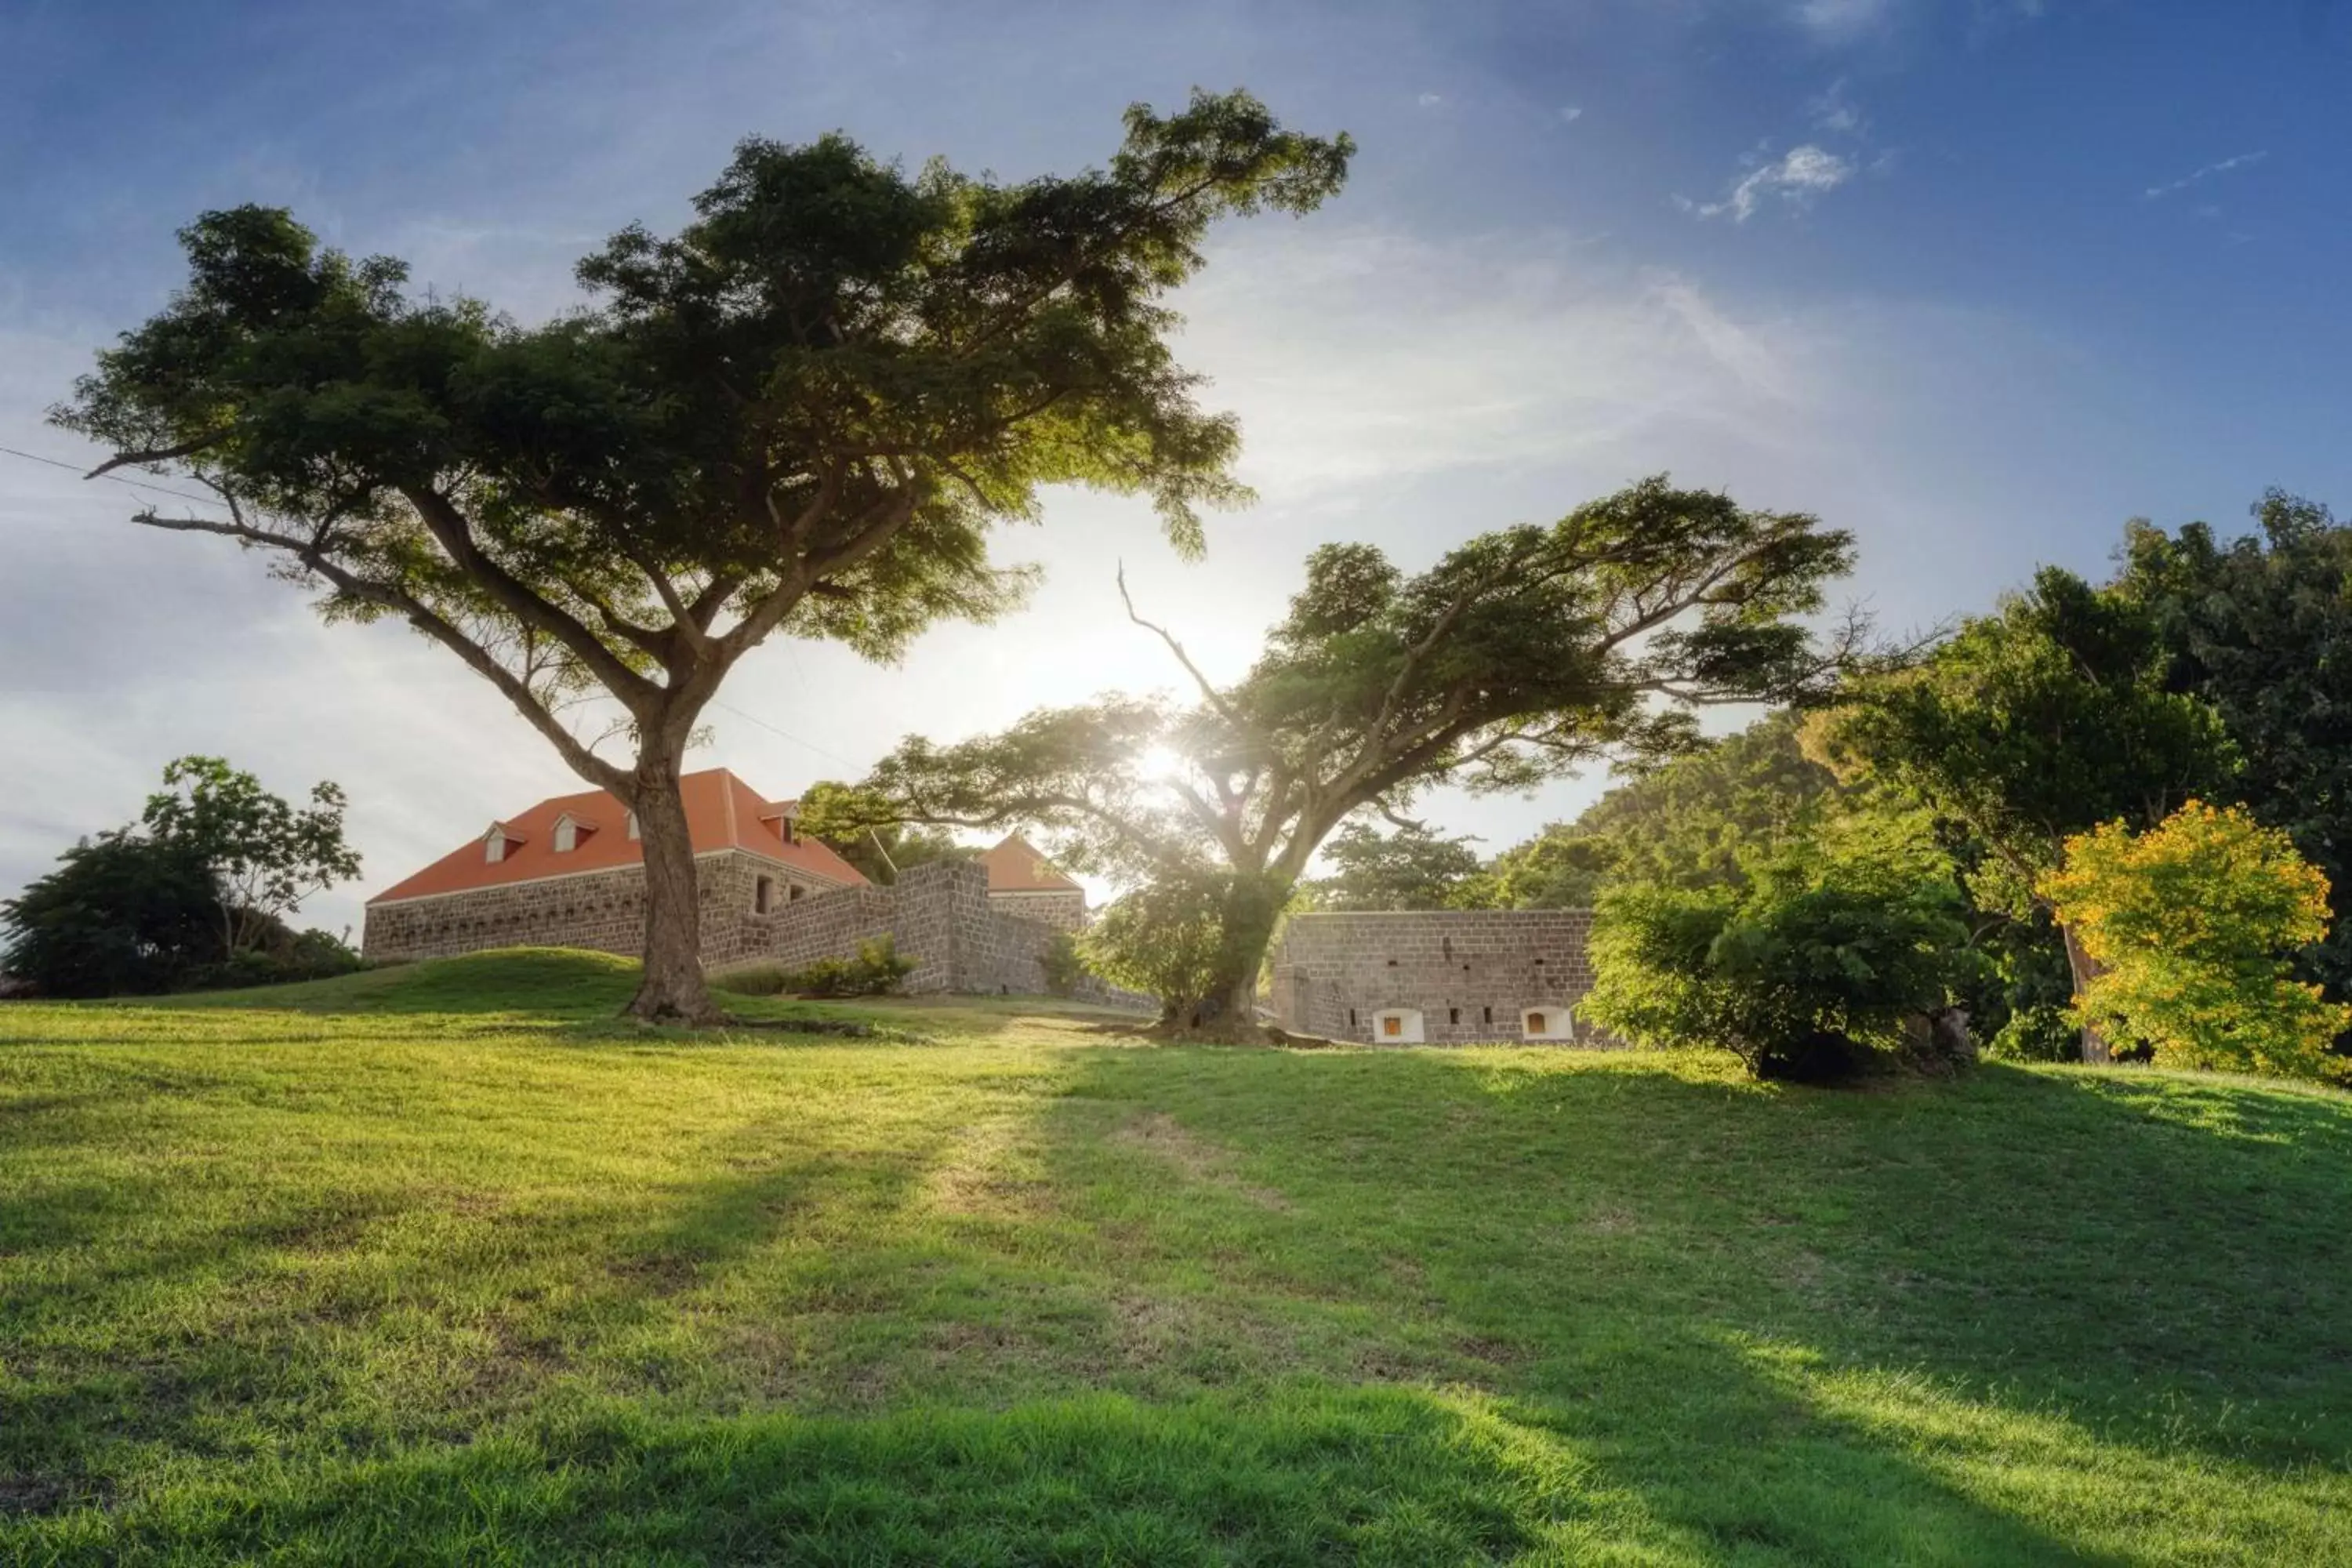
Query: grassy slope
[(433, 1264)]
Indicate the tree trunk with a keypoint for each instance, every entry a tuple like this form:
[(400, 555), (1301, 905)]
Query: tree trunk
[(2084, 969), (1252, 907), (672, 990)]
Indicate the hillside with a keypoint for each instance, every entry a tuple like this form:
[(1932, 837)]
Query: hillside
[(438, 1265)]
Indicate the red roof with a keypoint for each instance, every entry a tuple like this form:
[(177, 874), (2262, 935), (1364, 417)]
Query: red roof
[(1016, 866), (723, 812)]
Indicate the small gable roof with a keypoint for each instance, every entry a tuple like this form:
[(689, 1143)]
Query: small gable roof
[(1015, 866), (723, 812)]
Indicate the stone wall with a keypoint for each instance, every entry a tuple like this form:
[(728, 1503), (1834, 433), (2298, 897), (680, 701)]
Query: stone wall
[(941, 915), (1470, 973), (1061, 911), (603, 911)]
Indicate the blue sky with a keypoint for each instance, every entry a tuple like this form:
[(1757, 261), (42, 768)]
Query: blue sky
[(1978, 278)]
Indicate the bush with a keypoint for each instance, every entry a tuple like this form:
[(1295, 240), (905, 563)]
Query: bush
[(1803, 973), (876, 970), (2195, 924), (1065, 969), (1166, 939), (754, 980), (2040, 1033)]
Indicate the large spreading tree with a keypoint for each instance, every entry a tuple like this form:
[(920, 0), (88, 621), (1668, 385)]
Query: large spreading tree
[(1519, 656), (803, 413)]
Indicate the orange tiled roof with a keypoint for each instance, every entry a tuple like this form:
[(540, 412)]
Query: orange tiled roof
[(1016, 866), (723, 812)]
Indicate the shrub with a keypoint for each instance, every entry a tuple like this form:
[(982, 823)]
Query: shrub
[(1064, 967), (876, 970), (754, 980), (1802, 974), (286, 956), (2040, 1033), (2194, 925), (1166, 939)]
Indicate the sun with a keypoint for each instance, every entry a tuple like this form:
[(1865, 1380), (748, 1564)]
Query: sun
[(1160, 763)]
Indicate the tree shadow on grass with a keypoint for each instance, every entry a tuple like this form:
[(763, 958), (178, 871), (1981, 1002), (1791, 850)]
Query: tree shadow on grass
[(2029, 1259), (1407, 1308), (1375, 1476)]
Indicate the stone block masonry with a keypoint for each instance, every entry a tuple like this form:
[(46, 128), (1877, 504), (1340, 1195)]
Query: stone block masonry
[(1471, 976), (939, 915)]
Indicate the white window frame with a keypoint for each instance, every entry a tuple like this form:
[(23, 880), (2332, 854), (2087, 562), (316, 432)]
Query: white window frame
[(1560, 1021), (1409, 1030)]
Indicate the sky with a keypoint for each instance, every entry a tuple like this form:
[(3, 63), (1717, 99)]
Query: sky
[(1978, 280)]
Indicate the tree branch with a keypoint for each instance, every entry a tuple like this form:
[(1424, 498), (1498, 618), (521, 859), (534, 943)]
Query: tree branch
[(583, 762), (1214, 697)]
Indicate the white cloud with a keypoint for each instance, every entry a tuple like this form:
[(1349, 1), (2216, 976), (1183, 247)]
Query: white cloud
[(1841, 21), (2198, 176), (1833, 112), (1430, 99), (1797, 177), (1570, 113)]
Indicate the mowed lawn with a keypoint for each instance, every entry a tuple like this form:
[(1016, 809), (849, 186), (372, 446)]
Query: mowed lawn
[(439, 1265)]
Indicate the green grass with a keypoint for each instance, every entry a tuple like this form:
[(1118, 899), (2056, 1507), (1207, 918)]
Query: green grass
[(441, 1264)]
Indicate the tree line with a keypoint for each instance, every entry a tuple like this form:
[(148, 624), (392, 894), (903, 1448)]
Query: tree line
[(2129, 795)]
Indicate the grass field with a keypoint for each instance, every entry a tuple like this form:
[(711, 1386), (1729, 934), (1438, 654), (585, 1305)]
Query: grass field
[(437, 1265)]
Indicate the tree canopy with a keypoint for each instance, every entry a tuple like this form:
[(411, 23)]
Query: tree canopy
[(804, 411), (2031, 725), (1408, 868), (838, 815), (2261, 627), (2193, 925), (264, 856), (1519, 656), (1818, 951), (1691, 821), (121, 915)]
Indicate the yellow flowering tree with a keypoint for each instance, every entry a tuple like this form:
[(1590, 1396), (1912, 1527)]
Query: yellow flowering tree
[(2193, 923)]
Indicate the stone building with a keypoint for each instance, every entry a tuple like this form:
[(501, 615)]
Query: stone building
[(1021, 881), (570, 872), (1436, 976)]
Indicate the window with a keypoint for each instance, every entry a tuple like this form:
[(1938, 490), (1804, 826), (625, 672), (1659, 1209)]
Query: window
[(494, 848), (763, 892), (1398, 1026), (1547, 1023), (1351, 1017), (1453, 1015), (1392, 1025), (567, 836), (632, 826), (1489, 1012), (794, 893)]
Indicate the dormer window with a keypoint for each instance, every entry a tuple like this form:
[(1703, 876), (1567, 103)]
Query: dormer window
[(785, 824), (497, 842), (632, 826), (570, 830)]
